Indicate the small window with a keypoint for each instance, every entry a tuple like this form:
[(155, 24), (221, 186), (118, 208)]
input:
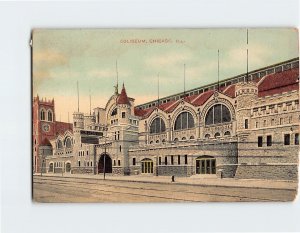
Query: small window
[(91, 163), (269, 140), (259, 141), (159, 160), (227, 133), (246, 123), (123, 114), (178, 159), (296, 139), (120, 148), (287, 139), (133, 161), (172, 159), (281, 121), (166, 160), (217, 135), (114, 162), (78, 163), (256, 124), (185, 159), (207, 136), (119, 162), (176, 140), (87, 152)]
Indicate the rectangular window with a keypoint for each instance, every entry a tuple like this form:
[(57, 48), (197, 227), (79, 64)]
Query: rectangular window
[(114, 162), (133, 161), (166, 160), (178, 159), (172, 160), (123, 114), (185, 159), (256, 124), (280, 121), (259, 141), (119, 162), (246, 123), (159, 160), (296, 139), (287, 139), (269, 140), (87, 152)]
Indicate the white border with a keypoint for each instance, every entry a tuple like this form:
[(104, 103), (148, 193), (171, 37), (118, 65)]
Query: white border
[(19, 214)]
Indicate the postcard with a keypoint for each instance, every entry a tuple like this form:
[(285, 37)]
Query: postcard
[(165, 115)]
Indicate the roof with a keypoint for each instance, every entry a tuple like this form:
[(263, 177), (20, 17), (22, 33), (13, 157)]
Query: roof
[(279, 82), (62, 127), (46, 142), (123, 98), (270, 84)]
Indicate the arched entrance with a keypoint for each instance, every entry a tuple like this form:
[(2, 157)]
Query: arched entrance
[(147, 166), (50, 167), (205, 165), (105, 162), (68, 167)]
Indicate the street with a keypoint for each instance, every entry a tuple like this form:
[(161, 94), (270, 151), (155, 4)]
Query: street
[(75, 189)]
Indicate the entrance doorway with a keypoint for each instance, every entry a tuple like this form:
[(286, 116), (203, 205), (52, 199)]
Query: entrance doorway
[(147, 166), (205, 165), (51, 167), (68, 167), (105, 162)]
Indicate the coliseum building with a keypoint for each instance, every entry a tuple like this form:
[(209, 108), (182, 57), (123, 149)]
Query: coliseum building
[(244, 127)]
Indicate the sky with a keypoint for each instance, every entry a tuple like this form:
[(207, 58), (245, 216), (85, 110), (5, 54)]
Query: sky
[(63, 57)]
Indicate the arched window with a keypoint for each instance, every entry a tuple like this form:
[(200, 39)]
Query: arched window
[(217, 114), (163, 141), (114, 112), (227, 133), (185, 120), (217, 135), (192, 137), (176, 140), (42, 115), (68, 142), (157, 126), (157, 141), (207, 136), (59, 144), (183, 139), (50, 118), (151, 142)]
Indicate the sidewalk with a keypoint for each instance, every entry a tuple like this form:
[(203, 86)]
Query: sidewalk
[(193, 180)]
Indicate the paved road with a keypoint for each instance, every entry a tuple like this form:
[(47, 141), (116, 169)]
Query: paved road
[(67, 189)]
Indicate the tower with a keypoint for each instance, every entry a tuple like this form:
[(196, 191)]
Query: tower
[(124, 106), (246, 93), (43, 126)]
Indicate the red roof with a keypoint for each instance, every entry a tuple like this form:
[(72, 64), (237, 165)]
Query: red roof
[(62, 127), (123, 98), (202, 98), (46, 142), (279, 82), (230, 91)]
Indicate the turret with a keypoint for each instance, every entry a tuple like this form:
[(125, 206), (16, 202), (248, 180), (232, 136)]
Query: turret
[(124, 107), (78, 119), (246, 93)]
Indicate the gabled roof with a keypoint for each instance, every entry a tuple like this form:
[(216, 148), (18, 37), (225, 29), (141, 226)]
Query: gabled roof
[(46, 142), (230, 91), (202, 98), (123, 98)]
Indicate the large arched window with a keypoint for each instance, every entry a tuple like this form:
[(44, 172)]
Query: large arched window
[(50, 118), (217, 114), (42, 115), (185, 120), (59, 144), (157, 126), (68, 142)]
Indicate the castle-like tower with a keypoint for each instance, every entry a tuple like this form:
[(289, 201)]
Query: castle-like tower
[(43, 127)]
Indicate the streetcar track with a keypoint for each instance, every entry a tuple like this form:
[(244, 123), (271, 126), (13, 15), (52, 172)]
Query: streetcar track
[(160, 190)]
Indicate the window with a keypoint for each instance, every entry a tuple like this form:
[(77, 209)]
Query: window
[(166, 160), (178, 159), (59, 144), (68, 142), (114, 162), (192, 137), (123, 114), (172, 159), (133, 161), (50, 115), (185, 120), (280, 121), (269, 140), (159, 160), (185, 159), (296, 139), (217, 135), (227, 133), (114, 112), (207, 136), (87, 152), (42, 116), (157, 126), (157, 141), (91, 163), (78, 163), (120, 148), (287, 139), (256, 124), (259, 141), (176, 140), (217, 114), (119, 162), (246, 123), (272, 122)]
